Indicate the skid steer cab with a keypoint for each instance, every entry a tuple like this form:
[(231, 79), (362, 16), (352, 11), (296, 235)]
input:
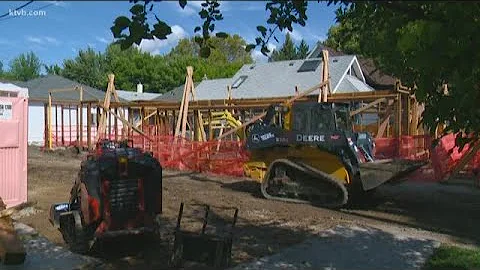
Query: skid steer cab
[(118, 192), (307, 152)]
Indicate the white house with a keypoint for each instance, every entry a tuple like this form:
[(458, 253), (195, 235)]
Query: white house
[(65, 97)]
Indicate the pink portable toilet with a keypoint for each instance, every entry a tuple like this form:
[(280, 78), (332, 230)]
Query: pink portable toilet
[(13, 144)]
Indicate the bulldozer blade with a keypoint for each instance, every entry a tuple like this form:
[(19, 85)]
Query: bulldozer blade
[(374, 174)]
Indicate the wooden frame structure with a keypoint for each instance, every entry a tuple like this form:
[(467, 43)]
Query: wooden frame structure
[(397, 111)]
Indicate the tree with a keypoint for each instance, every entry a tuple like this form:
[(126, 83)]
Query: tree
[(343, 38), (302, 50), (1, 68), (25, 67), (224, 50), (53, 69), (283, 14), (426, 45), (88, 68), (288, 51)]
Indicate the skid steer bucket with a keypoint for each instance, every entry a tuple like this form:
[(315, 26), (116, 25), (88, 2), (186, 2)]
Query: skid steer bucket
[(213, 249), (374, 174)]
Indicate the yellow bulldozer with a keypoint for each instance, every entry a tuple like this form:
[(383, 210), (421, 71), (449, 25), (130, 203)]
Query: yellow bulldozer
[(307, 152)]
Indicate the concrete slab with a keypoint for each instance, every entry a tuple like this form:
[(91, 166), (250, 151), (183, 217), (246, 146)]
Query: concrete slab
[(43, 254), (350, 248)]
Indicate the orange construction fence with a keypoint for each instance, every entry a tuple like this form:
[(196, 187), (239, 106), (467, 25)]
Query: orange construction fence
[(227, 157)]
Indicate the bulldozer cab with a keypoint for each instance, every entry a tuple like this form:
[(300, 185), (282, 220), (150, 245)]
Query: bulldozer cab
[(311, 117)]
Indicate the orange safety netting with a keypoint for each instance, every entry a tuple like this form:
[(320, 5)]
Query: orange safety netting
[(445, 156), (218, 157), (227, 157)]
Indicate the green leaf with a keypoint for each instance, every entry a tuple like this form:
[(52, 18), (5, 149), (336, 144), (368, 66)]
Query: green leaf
[(221, 35), (250, 47), (182, 3), (198, 28), (262, 30), (161, 30), (203, 13), (120, 24), (137, 9)]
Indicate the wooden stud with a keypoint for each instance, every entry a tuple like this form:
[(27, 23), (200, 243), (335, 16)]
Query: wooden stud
[(115, 125), (56, 125), (63, 128), (89, 126), (46, 128), (81, 119), (70, 122)]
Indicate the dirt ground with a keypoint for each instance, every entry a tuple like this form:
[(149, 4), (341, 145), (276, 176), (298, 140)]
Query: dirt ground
[(448, 214)]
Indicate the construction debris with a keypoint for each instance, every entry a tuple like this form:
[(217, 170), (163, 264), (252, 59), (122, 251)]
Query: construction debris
[(12, 250)]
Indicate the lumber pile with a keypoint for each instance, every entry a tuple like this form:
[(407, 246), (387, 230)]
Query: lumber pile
[(12, 250)]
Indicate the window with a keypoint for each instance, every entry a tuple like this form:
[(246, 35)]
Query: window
[(239, 81), (309, 66)]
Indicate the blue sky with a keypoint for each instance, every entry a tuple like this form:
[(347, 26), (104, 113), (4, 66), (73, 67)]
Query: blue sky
[(67, 27)]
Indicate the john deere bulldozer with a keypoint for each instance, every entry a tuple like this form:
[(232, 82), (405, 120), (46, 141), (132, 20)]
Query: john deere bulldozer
[(307, 152)]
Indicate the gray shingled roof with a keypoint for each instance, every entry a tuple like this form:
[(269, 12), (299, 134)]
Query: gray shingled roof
[(373, 75), (278, 79), (350, 82), (135, 96), (38, 89), (175, 94)]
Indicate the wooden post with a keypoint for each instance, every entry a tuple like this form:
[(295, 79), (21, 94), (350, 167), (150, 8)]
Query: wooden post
[(63, 130), (210, 129), (182, 106), (46, 129), (109, 131), (409, 117), (70, 122), (115, 125), (399, 116), (130, 120), (50, 121), (89, 126), (185, 109), (325, 90), (81, 118), (56, 125)]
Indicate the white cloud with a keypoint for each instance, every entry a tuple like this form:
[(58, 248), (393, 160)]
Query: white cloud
[(35, 40), (58, 3), (102, 40), (193, 7), (156, 45), (43, 40), (295, 34), (259, 57), (314, 36), (52, 40)]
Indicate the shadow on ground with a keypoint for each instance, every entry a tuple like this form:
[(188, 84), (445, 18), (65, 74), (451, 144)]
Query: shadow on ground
[(447, 209)]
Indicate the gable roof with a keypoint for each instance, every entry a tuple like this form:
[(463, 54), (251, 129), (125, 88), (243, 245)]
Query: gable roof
[(176, 94), (136, 96), (39, 88), (278, 79), (373, 76)]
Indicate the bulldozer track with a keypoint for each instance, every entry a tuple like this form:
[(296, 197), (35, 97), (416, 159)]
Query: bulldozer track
[(304, 168)]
